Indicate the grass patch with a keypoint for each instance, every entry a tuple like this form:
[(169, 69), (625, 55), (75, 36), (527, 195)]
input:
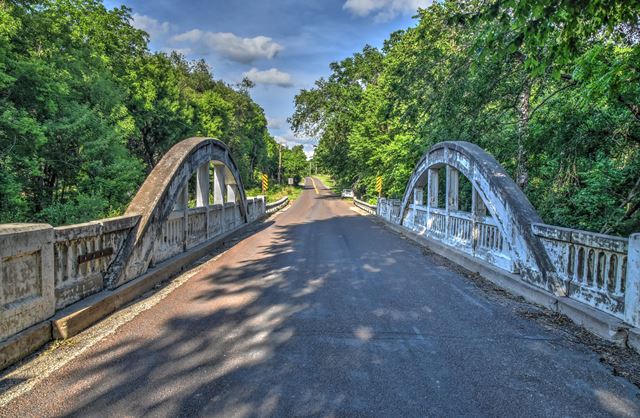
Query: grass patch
[(328, 181), (276, 192)]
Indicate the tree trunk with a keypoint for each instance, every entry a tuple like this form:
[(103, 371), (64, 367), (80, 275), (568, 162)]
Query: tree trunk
[(147, 149), (524, 113)]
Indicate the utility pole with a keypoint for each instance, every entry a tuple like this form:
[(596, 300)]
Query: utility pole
[(279, 162)]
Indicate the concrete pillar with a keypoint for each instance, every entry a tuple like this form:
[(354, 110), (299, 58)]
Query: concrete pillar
[(632, 290), (203, 183), (27, 277), (417, 201), (453, 180), (477, 206), (418, 194), (218, 184), (432, 195), (432, 181), (185, 219)]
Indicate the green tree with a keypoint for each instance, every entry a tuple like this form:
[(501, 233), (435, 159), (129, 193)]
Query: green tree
[(86, 110), (555, 102), (294, 163)]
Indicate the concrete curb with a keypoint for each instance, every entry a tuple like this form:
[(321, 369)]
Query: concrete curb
[(79, 316), (24, 343), (599, 323)]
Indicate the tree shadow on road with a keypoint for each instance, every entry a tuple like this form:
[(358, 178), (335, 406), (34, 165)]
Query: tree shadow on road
[(331, 318)]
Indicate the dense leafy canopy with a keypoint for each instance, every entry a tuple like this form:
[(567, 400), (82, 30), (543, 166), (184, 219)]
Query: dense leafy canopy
[(86, 110), (551, 89)]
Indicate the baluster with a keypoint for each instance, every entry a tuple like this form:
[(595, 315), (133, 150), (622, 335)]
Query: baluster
[(90, 249), (612, 280), (619, 283), (600, 269), (580, 269), (65, 257), (82, 250), (570, 261), (590, 268)]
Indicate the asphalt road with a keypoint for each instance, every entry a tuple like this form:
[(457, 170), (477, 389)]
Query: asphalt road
[(327, 313)]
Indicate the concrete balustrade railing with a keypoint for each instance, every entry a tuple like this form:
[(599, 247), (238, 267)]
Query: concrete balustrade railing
[(45, 269), (371, 209), (389, 209), (595, 267), (82, 255), (186, 229), (476, 235)]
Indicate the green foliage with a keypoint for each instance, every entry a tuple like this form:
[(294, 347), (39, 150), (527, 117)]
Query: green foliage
[(551, 89), (294, 163), (327, 181), (86, 111)]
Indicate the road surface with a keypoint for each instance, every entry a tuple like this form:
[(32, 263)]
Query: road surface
[(326, 313)]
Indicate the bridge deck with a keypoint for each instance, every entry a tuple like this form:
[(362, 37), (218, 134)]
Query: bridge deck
[(322, 313)]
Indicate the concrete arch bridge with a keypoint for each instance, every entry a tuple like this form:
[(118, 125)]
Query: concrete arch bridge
[(201, 301)]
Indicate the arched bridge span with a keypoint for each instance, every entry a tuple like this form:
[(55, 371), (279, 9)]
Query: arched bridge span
[(165, 193), (498, 226)]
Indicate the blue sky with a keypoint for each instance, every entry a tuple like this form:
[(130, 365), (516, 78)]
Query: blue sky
[(282, 45)]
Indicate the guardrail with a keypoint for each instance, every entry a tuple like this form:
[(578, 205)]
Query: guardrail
[(277, 205), (364, 206)]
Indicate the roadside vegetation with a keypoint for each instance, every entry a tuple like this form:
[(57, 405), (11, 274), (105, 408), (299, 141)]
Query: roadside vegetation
[(87, 110), (328, 181), (551, 89)]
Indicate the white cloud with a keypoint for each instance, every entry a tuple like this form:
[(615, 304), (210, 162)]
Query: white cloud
[(150, 25), (182, 51), (383, 10), (272, 76), (291, 140), (233, 47), (309, 150), (193, 35), (275, 123)]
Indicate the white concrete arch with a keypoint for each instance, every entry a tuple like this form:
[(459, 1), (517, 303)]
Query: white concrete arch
[(508, 209)]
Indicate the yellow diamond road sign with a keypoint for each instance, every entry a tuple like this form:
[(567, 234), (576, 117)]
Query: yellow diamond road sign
[(265, 183), (379, 184)]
